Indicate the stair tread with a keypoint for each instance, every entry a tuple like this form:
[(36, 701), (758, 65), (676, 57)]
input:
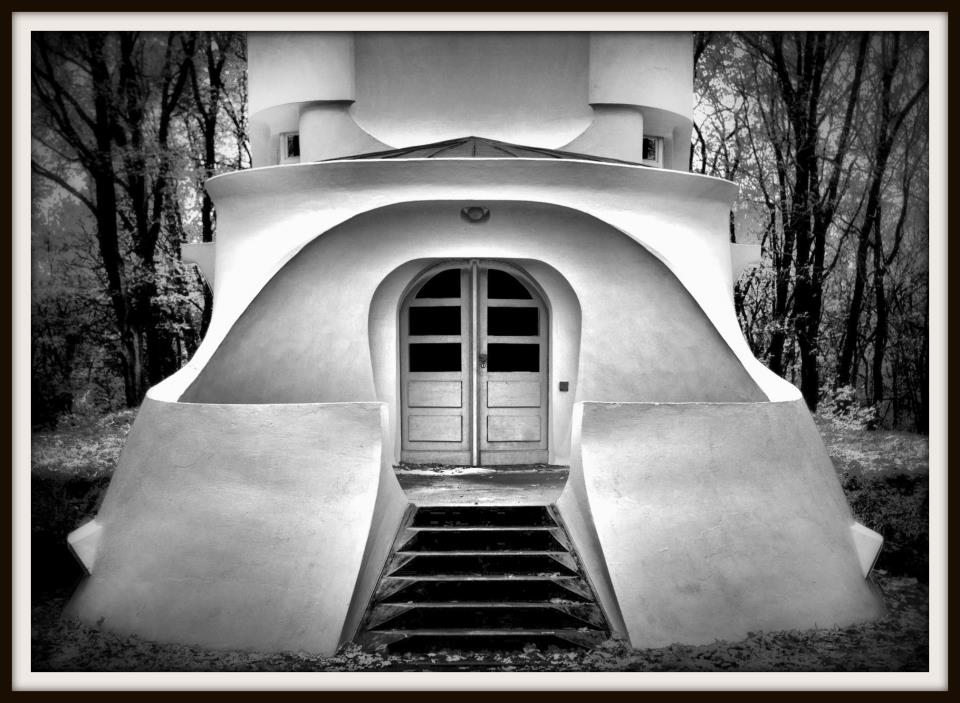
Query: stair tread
[(484, 563), (481, 528), (487, 632), (488, 604), (484, 577), (484, 553), (478, 516), (484, 591)]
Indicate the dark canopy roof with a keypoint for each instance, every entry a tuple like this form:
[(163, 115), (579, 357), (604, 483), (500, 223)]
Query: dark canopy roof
[(478, 147)]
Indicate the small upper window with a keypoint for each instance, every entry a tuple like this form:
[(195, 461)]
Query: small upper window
[(289, 147), (653, 151)]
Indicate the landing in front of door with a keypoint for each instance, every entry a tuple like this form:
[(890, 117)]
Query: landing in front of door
[(524, 484)]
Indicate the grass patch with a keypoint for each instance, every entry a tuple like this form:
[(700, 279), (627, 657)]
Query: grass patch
[(895, 504), (71, 469), (885, 476), (853, 449), (81, 447)]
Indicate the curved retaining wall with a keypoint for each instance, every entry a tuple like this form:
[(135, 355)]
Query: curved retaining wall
[(713, 520), (239, 526)]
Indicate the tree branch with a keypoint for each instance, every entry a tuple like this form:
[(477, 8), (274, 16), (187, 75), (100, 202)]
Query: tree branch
[(63, 183)]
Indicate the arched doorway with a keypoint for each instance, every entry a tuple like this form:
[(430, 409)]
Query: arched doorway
[(474, 374)]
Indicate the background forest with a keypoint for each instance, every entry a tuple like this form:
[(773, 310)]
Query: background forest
[(825, 134)]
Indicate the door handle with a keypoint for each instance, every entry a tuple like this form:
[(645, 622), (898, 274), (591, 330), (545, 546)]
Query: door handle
[(483, 361)]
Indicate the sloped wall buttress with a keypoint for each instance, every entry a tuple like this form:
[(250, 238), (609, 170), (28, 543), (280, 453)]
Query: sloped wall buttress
[(705, 538), (237, 526)]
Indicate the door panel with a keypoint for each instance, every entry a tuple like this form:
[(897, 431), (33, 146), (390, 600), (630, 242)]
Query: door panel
[(435, 394), (436, 428), (513, 428), (474, 375), (513, 394)]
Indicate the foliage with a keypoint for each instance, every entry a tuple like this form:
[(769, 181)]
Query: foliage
[(872, 451), (81, 447), (69, 309), (72, 467), (119, 163), (842, 406), (894, 503), (884, 475)]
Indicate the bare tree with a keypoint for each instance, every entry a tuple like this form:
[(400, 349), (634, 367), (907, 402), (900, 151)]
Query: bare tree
[(105, 103), (882, 131), (215, 76), (829, 157)]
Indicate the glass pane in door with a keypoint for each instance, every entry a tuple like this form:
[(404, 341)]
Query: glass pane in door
[(502, 286), (445, 284), (513, 322), (435, 320), (434, 357), (513, 357)]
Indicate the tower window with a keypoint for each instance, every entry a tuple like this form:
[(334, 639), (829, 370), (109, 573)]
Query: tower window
[(289, 147), (653, 151)]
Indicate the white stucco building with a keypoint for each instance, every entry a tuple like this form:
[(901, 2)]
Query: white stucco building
[(478, 249)]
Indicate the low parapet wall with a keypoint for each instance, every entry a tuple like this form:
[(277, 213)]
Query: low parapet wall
[(242, 526), (713, 520)]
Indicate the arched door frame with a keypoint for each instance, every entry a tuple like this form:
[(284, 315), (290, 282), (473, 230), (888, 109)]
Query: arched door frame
[(471, 371)]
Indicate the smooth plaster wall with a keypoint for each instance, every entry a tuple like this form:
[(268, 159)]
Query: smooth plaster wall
[(305, 337), (521, 87), (327, 131), (705, 538), (576, 515), (389, 512), (616, 132), (654, 69), (234, 526), (293, 67)]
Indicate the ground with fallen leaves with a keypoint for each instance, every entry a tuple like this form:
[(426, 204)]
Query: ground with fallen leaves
[(883, 473), (898, 642)]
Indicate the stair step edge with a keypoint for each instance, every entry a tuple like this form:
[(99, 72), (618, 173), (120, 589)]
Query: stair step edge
[(481, 528), (490, 604), (483, 553), (492, 632)]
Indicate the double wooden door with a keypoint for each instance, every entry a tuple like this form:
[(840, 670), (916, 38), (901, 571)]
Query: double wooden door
[(474, 376)]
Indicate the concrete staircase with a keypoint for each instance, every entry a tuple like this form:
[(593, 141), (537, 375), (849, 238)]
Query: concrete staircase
[(482, 578)]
